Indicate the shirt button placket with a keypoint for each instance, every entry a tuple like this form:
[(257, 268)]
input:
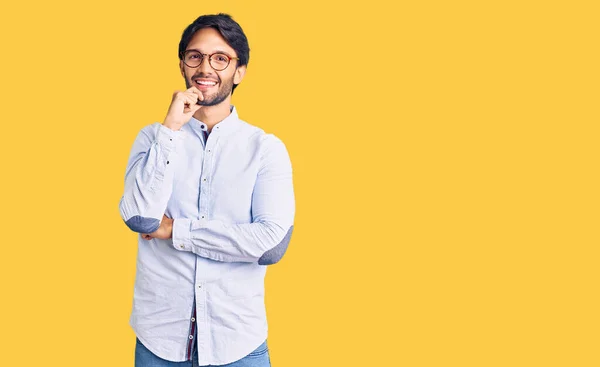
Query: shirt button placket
[(201, 320), (203, 199)]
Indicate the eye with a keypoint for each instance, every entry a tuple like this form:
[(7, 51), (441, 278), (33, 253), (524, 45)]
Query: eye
[(193, 56), (221, 58)]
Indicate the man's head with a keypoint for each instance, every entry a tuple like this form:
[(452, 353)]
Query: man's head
[(223, 38)]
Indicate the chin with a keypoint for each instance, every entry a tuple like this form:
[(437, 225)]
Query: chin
[(210, 101)]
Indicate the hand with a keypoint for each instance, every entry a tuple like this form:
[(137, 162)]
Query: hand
[(165, 231), (182, 108)]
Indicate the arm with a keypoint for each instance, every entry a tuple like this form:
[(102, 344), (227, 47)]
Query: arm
[(149, 178), (266, 238)]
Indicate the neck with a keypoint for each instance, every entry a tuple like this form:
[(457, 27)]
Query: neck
[(212, 115)]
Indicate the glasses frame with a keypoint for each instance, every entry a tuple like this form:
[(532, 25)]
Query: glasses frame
[(209, 57)]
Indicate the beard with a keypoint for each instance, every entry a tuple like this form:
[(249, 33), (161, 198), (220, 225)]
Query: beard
[(225, 89)]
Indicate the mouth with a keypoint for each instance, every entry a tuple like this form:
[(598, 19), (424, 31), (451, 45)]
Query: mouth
[(205, 84)]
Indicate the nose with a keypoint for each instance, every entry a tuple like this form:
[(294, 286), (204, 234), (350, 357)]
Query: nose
[(204, 66)]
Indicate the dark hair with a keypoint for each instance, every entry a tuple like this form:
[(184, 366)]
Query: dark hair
[(229, 29)]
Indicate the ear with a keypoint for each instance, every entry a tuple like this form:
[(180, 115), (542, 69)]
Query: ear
[(239, 74), (181, 68)]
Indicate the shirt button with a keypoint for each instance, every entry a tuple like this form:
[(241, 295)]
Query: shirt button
[(199, 286), (204, 180), (191, 337), (193, 319), (203, 217), (182, 246)]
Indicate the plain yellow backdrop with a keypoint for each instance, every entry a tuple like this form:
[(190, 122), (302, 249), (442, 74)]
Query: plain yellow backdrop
[(445, 160)]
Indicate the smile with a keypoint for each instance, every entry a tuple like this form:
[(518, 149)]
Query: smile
[(208, 83)]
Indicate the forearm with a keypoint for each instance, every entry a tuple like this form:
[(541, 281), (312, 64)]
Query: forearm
[(262, 242), (149, 180)]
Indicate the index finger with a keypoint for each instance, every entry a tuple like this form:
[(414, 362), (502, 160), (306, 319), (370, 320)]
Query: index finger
[(197, 91)]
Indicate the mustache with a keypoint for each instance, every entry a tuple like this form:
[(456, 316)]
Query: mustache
[(204, 76)]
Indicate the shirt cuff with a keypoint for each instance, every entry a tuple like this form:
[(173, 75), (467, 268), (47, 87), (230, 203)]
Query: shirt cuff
[(181, 234), (168, 138)]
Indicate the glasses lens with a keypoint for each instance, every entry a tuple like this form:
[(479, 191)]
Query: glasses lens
[(192, 58), (219, 61)]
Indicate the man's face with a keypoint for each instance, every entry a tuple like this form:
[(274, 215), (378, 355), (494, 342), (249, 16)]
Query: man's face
[(209, 41)]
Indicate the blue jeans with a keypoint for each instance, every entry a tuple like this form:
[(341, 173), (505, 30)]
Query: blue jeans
[(145, 358)]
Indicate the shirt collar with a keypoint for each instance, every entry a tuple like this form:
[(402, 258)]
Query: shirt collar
[(224, 127)]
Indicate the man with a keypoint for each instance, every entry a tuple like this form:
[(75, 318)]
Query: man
[(212, 198)]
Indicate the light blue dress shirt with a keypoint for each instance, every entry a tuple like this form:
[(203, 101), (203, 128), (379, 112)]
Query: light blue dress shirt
[(232, 200)]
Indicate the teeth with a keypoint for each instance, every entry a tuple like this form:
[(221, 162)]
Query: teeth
[(205, 83)]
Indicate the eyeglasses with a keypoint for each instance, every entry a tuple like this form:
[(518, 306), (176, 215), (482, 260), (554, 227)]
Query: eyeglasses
[(218, 61)]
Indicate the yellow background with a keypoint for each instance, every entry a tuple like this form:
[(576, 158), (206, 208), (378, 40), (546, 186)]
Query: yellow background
[(445, 160)]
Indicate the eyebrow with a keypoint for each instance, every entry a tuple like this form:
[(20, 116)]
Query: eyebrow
[(216, 52)]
